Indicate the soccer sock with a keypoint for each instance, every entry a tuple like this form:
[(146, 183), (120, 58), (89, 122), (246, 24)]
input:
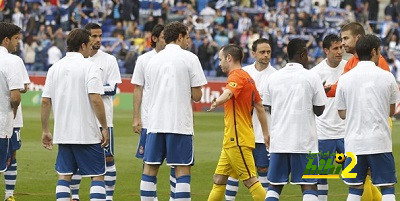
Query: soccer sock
[(388, 194), (323, 190), (232, 187), (217, 192), (310, 195), (273, 194), (109, 179), (172, 184), (10, 178), (63, 192), (182, 190), (97, 191), (262, 177), (354, 194), (148, 189), (75, 182), (258, 192)]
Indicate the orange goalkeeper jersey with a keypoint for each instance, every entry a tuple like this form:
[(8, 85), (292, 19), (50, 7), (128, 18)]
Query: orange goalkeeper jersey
[(238, 110), (351, 63)]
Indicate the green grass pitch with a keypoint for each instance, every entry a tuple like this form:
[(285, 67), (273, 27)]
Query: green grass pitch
[(37, 177)]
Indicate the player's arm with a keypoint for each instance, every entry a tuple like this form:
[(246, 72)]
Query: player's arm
[(225, 96), (342, 114), (137, 102), (25, 89), (98, 107), (196, 93), (47, 139), (318, 110), (263, 121), (392, 109), (15, 100)]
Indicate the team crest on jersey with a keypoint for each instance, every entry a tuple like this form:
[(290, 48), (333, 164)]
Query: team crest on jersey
[(232, 84)]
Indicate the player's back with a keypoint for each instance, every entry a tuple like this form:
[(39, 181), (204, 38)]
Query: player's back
[(292, 92), (69, 82), (367, 92), (171, 74)]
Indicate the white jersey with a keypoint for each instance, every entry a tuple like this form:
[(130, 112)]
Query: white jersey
[(329, 124), (138, 78), (171, 74), (110, 76), (292, 92), (10, 79), (68, 84), (18, 121), (366, 93), (260, 78)]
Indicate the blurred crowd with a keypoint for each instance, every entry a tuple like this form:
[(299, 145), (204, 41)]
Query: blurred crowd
[(127, 26)]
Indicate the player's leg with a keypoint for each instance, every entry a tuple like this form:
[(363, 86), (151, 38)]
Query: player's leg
[(383, 174), (111, 171), (65, 166), (326, 147), (261, 158), (75, 183), (242, 162), (278, 175), (220, 178), (356, 185), (10, 175), (180, 154), (153, 158), (298, 163), (172, 183), (90, 161), (232, 187)]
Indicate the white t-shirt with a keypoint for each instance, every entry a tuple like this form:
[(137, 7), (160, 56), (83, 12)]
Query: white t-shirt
[(138, 78), (171, 74), (260, 78), (292, 92), (110, 75), (69, 83), (366, 93), (10, 79), (18, 121), (329, 124)]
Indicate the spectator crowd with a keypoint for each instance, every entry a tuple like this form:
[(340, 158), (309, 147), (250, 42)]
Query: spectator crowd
[(127, 26)]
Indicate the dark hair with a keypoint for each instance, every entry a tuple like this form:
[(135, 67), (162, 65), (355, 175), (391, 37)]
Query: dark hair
[(76, 38), (8, 30), (172, 31), (91, 26), (156, 32), (234, 50), (329, 39), (295, 47), (257, 42), (355, 28), (364, 46)]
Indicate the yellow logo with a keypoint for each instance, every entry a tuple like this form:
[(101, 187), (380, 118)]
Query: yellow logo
[(233, 84), (340, 158)]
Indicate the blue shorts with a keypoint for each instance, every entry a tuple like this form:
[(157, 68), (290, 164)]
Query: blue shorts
[(383, 172), (283, 164), (109, 149), (5, 153), (15, 140), (88, 158), (142, 144), (261, 155), (177, 149)]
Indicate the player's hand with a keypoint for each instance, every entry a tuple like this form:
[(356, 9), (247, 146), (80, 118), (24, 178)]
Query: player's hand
[(137, 125), (105, 136), (326, 87), (213, 105), (47, 140), (267, 141)]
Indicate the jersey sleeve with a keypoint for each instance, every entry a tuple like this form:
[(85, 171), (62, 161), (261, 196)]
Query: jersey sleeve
[(138, 73), (114, 76), (319, 96), (383, 64), (197, 77), (14, 78), (48, 84), (94, 84), (235, 84), (266, 93), (340, 101), (24, 73), (394, 90)]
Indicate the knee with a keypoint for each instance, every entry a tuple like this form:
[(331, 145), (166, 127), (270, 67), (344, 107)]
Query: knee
[(262, 169), (250, 182), (220, 179), (109, 159)]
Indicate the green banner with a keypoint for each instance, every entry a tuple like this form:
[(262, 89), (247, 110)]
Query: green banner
[(121, 101)]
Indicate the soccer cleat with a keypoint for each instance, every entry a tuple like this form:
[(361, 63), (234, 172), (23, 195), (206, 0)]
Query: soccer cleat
[(11, 198)]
